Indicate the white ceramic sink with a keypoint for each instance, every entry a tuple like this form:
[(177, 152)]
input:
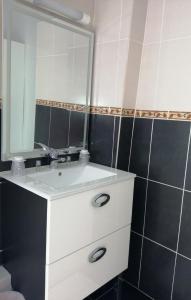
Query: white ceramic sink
[(70, 176), (53, 184)]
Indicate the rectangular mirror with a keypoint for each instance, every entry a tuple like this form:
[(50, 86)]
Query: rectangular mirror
[(46, 82)]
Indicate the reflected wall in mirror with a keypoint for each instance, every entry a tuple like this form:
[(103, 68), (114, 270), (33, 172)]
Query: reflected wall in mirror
[(47, 66)]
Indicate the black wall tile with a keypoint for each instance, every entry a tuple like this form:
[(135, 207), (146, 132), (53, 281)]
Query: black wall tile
[(127, 292), (1, 245), (115, 140), (188, 174), (112, 284), (132, 273), (77, 122), (139, 205), (163, 214), (157, 271), (182, 286), (42, 124), (125, 143), (59, 128), (169, 150), (101, 139), (185, 230), (111, 295), (141, 147)]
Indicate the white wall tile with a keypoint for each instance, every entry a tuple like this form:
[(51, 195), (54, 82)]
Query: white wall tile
[(138, 20), (107, 20), (63, 39), (44, 77), (154, 21), (45, 39), (105, 73), (128, 73), (146, 95), (116, 72), (177, 19), (174, 88), (126, 20)]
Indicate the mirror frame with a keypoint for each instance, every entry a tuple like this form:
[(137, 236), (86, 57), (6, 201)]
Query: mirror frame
[(5, 82)]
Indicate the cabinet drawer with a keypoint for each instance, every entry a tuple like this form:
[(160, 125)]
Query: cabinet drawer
[(77, 221), (76, 276)]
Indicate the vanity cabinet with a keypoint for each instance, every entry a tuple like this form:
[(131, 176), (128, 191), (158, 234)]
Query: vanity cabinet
[(69, 247)]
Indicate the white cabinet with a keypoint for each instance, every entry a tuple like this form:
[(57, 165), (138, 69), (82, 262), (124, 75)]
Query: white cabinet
[(87, 240), (77, 221)]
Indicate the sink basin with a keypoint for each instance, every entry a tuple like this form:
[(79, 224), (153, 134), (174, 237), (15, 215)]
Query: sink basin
[(70, 176), (71, 179)]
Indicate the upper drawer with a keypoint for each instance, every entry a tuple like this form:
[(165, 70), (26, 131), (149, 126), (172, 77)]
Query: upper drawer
[(77, 221)]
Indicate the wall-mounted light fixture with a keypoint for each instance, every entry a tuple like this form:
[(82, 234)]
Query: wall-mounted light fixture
[(61, 8)]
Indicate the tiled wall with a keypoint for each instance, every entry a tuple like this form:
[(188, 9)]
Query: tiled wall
[(61, 64), (160, 241), (164, 82), (58, 127), (156, 148), (159, 152), (119, 27)]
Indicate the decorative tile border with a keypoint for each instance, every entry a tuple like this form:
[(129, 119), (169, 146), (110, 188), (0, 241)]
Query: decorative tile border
[(63, 105), (175, 115), (152, 114), (116, 111)]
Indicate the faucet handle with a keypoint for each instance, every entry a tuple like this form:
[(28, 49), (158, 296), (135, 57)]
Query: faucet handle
[(53, 153)]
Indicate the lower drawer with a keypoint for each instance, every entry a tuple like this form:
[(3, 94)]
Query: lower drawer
[(78, 275)]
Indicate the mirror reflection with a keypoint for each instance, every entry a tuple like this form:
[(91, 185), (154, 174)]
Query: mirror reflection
[(47, 88)]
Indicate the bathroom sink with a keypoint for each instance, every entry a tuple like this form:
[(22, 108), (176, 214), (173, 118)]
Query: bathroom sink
[(70, 176), (66, 180)]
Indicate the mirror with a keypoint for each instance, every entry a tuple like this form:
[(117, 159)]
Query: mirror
[(47, 67)]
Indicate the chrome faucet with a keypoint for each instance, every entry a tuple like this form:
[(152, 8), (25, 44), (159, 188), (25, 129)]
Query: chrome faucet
[(51, 152)]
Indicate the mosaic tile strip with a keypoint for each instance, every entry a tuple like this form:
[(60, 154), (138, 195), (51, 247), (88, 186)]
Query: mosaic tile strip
[(128, 112), (153, 114), (175, 115), (63, 105), (116, 111)]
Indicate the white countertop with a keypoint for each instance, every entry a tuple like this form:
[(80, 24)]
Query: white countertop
[(50, 193)]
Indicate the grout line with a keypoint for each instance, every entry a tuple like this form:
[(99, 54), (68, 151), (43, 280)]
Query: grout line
[(131, 145), (162, 183), (118, 289), (167, 248), (118, 141), (184, 256), (151, 138), (69, 127), (158, 68), (50, 121), (116, 79), (187, 37), (119, 40), (113, 143), (105, 293), (132, 285), (153, 241), (181, 211)]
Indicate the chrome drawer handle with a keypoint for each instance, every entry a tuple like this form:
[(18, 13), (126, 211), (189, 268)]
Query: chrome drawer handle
[(97, 254), (101, 200)]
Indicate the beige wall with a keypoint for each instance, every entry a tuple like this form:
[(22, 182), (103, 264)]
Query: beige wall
[(119, 26), (165, 77)]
